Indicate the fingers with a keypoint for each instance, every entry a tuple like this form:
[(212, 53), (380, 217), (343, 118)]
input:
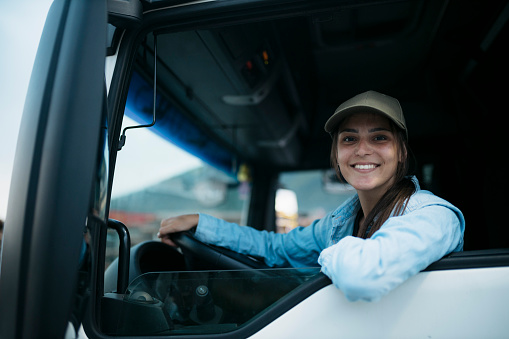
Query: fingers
[(176, 224), (168, 241)]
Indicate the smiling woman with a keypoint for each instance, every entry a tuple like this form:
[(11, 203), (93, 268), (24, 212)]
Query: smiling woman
[(368, 158), (375, 240), (364, 153), (370, 151)]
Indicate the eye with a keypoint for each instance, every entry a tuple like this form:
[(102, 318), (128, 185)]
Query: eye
[(381, 137), (348, 139)]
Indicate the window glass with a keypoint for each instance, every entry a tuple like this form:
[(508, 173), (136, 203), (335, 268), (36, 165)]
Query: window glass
[(155, 179), (203, 302), (305, 196)]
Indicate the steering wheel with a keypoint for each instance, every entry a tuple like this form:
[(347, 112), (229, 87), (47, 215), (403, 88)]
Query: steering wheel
[(155, 256), (218, 256)]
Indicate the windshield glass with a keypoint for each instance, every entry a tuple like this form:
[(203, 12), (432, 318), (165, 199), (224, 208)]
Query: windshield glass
[(204, 302), (314, 193)]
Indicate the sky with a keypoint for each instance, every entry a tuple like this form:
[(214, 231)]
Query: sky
[(21, 24), (148, 158)]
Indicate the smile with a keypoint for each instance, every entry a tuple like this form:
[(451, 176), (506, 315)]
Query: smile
[(364, 167)]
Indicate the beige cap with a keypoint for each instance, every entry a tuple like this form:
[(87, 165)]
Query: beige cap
[(369, 101)]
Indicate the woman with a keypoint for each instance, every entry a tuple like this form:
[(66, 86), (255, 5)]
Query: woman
[(389, 231)]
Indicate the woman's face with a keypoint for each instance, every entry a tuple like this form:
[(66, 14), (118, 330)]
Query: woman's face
[(368, 153)]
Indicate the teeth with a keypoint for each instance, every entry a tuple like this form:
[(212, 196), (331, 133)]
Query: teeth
[(364, 167)]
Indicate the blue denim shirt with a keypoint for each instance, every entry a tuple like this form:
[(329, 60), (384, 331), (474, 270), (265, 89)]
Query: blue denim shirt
[(364, 269)]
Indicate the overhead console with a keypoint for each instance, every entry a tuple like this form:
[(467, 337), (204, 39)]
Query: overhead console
[(230, 82)]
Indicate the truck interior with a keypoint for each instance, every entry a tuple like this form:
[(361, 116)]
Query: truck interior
[(252, 88), (258, 90)]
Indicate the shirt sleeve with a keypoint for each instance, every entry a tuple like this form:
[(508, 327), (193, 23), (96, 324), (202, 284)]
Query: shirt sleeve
[(367, 269), (298, 248)]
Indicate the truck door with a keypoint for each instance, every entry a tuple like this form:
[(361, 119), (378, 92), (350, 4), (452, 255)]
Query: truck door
[(53, 172)]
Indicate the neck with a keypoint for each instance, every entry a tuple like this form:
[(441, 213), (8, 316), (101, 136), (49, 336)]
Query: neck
[(368, 200)]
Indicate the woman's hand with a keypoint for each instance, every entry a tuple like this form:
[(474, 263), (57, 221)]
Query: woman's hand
[(180, 223)]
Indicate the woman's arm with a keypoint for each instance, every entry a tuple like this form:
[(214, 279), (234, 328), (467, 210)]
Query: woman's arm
[(367, 269), (298, 248)]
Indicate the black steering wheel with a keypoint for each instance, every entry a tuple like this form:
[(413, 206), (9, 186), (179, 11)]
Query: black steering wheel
[(217, 256), (155, 256)]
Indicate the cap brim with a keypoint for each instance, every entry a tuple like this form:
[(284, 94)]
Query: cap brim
[(337, 118)]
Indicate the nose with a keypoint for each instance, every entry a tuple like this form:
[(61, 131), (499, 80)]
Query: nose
[(363, 148)]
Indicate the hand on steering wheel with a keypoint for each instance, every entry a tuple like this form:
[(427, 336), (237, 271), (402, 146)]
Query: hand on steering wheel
[(175, 232), (218, 257), (172, 225)]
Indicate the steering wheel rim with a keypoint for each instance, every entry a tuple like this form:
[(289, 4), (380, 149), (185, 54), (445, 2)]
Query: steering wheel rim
[(217, 256)]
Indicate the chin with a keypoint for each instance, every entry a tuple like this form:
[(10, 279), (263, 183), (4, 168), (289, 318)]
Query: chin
[(362, 185)]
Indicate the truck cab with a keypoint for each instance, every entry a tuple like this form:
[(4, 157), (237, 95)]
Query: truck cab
[(140, 110)]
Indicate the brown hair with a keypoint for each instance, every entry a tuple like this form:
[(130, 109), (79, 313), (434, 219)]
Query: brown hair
[(394, 201)]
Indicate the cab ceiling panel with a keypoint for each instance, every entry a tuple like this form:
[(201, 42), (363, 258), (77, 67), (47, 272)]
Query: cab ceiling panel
[(372, 47), (228, 80)]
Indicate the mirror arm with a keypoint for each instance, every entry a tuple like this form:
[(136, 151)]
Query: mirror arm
[(121, 142)]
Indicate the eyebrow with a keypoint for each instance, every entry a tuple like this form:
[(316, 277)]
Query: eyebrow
[(372, 130)]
